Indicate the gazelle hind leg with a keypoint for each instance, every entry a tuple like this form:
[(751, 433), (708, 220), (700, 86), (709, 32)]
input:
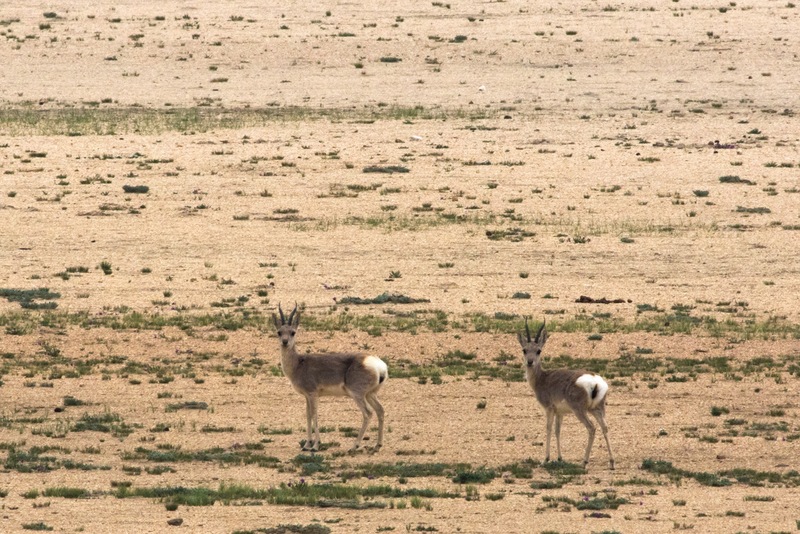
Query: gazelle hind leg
[(367, 414), (372, 399), (601, 420), (584, 418)]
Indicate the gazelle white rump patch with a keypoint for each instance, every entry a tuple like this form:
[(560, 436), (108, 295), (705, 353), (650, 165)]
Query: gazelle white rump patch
[(593, 384), (378, 365)]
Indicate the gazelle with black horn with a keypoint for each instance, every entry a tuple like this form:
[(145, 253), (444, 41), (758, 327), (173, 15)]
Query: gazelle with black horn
[(336, 374), (561, 391)]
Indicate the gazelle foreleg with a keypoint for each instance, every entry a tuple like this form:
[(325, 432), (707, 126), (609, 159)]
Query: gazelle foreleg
[(312, 406), (550, 416), (559, 418), (307, 444)]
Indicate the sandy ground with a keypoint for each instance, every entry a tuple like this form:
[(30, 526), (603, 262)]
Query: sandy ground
[(598, 138)]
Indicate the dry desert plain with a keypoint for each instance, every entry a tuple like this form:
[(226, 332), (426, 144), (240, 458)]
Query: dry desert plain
[(418, 177)]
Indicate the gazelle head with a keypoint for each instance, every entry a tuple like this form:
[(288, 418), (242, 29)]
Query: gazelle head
[(287, 328), (532, 348)]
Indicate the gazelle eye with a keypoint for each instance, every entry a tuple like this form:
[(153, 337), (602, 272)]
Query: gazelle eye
[(524, 351), (292, 333), (538, 352)]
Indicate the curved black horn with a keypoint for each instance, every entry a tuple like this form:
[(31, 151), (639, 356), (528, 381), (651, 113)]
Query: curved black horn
[(541, 328), (527, 330), (283, 319), (291, 315)]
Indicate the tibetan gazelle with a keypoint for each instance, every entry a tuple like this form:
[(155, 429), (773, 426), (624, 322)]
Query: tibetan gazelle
[(561, 391), (345, 374)]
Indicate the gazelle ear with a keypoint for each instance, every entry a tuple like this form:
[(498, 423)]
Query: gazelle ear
[(521, 338), (541, 335), (291, 315)]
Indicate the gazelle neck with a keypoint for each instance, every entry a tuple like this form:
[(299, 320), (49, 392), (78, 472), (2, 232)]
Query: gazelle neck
[(535, 372), (288, 359)]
